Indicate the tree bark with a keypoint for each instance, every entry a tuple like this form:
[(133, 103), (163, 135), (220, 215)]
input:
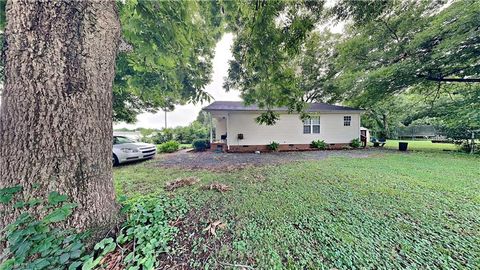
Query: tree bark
[(56, 109), (385, 124)]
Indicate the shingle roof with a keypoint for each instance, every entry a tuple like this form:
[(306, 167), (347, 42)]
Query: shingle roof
[(239, 106)]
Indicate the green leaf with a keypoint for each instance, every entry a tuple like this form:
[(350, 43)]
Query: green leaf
[(75, 254), (8, 264), (74, 265), (22, 249), (6, 194), (58, 214), (34, 202), (103, 243), (19, 204), (64, 258), (129, 257), (109, 248), (55, 198), (41, 263), (91, 263)]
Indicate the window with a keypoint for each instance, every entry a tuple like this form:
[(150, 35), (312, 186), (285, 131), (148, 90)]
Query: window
[(347, 120), (307, 126), (311, 125), (121, 140)]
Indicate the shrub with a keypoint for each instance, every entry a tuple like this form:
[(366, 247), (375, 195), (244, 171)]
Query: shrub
[(273, 146), (200, 144), (319, 144), (168, 147), (355, 143)]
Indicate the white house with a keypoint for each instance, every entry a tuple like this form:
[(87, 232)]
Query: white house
[(237, 131)]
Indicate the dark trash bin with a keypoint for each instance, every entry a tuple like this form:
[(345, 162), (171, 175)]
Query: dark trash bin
[(402, 146)]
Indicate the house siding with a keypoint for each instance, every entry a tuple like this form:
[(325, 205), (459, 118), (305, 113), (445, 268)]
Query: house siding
[(289, 129)]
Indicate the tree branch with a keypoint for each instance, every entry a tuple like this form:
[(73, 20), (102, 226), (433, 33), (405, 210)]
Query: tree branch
[(442, 79)]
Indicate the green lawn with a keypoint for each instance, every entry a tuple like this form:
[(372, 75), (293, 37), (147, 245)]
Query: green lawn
[(422, 145), (419, 210)]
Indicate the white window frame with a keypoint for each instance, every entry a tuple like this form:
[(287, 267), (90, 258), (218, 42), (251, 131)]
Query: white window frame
[(347, 120), (310, 123)]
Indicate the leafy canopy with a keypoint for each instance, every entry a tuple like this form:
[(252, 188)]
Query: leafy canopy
[(170, 57), (283, 58)]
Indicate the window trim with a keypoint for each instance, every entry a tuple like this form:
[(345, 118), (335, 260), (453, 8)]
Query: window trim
[(309, 123)]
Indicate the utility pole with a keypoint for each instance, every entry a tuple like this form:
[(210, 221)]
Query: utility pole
[(165, 118)]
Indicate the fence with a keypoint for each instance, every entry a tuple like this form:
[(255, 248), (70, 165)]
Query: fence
[(413, 132)]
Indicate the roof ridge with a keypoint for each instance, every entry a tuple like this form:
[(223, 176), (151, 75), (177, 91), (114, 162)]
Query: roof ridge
[(231, 105)]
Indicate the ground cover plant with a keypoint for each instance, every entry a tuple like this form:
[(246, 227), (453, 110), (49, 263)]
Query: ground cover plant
[(40, 243), (390, 210)]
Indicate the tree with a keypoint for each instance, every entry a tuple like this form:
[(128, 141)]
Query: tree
[(390, 47), (56, 117), (166, 60), (170, 60), (414, 46), (317, 68), (269, 35)]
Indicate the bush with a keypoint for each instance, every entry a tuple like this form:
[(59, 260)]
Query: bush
[(319, 144), (168, 147), (273, 146), (355, 143), (200, 145)]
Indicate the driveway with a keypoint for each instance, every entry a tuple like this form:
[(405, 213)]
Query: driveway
[(231, 161)]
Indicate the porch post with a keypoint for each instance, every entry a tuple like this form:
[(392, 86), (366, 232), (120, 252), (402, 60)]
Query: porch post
[(211, 127), (228, 133)]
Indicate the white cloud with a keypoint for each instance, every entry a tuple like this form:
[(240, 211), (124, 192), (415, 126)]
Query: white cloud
[(183, 115)]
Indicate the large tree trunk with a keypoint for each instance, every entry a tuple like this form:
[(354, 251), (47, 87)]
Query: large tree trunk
[(56, 109)]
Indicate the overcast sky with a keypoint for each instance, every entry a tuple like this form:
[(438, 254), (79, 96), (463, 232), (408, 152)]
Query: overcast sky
[(183, 115)]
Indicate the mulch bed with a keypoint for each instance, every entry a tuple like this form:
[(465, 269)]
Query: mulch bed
[(224, 162)]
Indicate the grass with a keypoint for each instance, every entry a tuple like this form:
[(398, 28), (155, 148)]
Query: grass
[(422, 145), (389, 211)]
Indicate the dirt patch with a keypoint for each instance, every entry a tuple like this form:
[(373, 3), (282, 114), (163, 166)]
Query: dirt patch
[(195, 245), (218, 187), (180, 182), (225, 162)]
